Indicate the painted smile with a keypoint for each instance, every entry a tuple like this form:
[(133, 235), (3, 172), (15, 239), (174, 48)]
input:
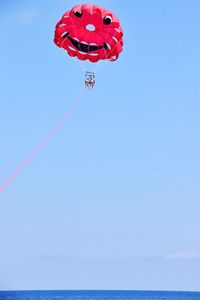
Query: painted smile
[(83, 46)]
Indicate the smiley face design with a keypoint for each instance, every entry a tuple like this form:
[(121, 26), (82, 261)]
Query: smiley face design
[(90, 32)]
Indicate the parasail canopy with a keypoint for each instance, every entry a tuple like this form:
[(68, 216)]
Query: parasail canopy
[(90, 32)]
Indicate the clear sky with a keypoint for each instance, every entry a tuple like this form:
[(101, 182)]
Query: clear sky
[(112, 201)]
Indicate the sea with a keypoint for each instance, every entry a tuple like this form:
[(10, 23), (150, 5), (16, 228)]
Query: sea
[(98, 295)]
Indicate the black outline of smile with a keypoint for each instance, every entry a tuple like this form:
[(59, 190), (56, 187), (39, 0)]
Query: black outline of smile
[(84, 47)]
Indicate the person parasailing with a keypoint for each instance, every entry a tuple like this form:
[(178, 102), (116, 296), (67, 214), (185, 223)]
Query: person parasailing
[(90, 32), (89, 80)]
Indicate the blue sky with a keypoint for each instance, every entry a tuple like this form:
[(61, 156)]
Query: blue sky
[(112, 202)]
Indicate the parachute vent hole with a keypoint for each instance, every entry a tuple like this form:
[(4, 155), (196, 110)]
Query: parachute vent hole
[(90, 27)]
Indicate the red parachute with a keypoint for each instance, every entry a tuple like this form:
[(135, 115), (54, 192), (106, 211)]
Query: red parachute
[(90, 32)]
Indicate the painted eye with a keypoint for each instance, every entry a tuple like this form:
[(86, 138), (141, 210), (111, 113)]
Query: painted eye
[(107, 20), (78, 14)]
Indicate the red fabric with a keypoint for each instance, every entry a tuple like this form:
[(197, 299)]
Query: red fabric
[(105, 42)]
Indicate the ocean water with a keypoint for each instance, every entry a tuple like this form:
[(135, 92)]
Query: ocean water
[(98, 295)]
